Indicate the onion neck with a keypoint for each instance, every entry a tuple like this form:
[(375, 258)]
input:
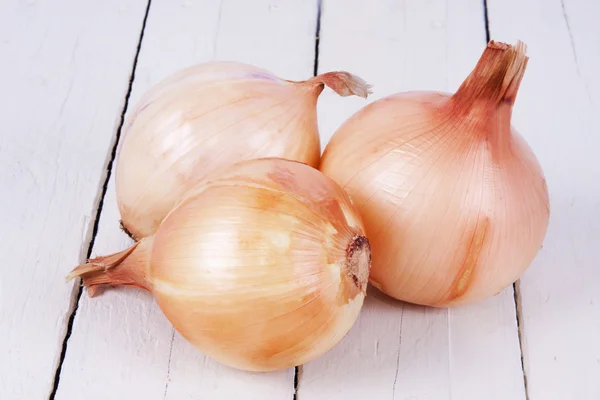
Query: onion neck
[(125, 268), (341, 82), (494, 82)]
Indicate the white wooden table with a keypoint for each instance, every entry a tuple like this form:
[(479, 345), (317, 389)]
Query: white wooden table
[(69, 69)]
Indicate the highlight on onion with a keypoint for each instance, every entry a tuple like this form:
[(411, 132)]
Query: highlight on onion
[(262, 267), (453, 199), (207, 117)]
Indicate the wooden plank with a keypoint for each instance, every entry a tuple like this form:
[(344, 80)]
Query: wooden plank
[(398, 350), (63, 78), (558, 112), (122, 337)]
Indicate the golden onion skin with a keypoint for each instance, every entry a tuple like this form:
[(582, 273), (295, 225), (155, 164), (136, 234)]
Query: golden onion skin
[(454, 201), (207, 117), (260, 280), (264, 267)]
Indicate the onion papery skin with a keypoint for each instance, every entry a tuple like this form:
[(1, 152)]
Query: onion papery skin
[(262, 268), (453, 199), (207, 117)]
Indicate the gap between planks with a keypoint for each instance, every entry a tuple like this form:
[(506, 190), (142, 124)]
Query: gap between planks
[(298, 368), (98, 211), (516, 285), (317, 37), (519, 316), (486, 21)]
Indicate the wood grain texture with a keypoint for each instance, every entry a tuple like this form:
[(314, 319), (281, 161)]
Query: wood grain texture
[(62, 86), (397, 350), (558, 112), (121, 337)]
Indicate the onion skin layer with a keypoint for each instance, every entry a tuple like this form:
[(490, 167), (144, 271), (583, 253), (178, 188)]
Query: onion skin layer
[(262, 268), (454, 201), (206, 118)]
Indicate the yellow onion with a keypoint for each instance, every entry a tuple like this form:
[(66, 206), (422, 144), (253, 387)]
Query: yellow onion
[(207, 117), (262, 267), (453, 199)]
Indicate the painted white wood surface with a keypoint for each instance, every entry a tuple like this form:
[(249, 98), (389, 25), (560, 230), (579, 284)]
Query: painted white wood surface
[(63, 63), (397, 350), (558, 111), (121, 339), (63, 78)]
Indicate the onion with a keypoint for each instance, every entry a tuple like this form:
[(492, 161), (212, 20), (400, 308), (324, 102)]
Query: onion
[(262, 267), (453, 200), (207, 117)]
